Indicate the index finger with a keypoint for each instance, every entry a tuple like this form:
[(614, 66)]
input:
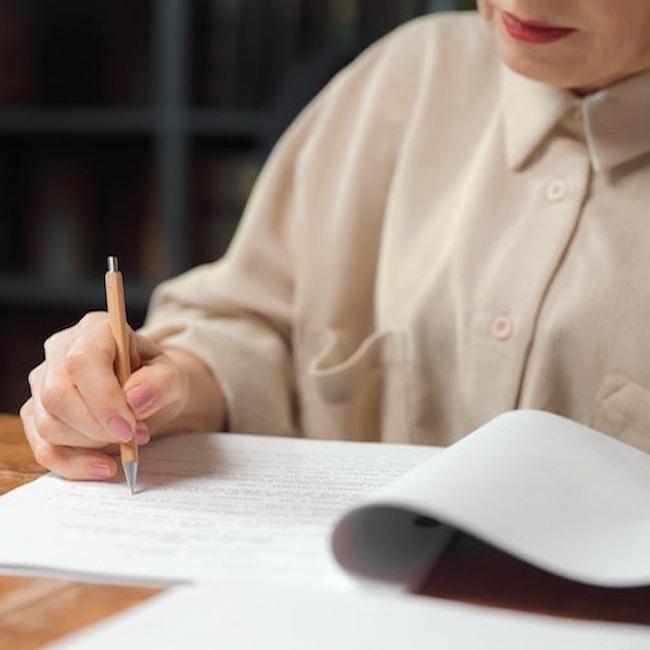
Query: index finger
[(90, 365)]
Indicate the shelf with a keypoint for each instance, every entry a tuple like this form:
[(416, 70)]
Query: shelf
[(83, 295), (77, 121), (91, 121)]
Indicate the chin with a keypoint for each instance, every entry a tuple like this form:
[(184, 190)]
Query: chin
[(552, 74)]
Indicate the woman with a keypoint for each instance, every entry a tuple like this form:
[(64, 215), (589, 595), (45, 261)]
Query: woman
[(438, 238)]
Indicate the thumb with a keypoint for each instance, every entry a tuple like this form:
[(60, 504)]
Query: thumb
[(157, 388)]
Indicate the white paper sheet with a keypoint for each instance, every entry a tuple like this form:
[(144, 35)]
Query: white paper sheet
[(208, 506), (555, 493), (242, 616)]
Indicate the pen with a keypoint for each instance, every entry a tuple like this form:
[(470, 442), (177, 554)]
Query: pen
[(117, 319)]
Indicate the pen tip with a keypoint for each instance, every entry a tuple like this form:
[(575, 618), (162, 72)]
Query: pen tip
[(131, 473)]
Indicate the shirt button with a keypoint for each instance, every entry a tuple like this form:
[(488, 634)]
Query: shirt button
[(501, 328), (556, 190)]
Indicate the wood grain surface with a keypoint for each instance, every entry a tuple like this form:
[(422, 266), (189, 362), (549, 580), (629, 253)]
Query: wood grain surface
[(36, 611)]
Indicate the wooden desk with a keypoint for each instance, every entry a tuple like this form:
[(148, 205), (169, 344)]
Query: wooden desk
[(34, 611)]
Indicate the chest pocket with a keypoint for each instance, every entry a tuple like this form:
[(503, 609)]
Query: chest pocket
[(622, 410), (359, 395)]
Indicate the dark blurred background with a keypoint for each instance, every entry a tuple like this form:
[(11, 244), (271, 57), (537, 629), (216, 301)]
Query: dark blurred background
[(137, 128)]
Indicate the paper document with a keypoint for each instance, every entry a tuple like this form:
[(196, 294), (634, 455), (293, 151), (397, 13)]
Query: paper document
[(208, 505), (245, 616)]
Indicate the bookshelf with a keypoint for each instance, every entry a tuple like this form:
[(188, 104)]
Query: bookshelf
[(137, 129)]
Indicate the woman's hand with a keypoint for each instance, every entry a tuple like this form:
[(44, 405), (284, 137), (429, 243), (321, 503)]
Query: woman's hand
[(78, 410)]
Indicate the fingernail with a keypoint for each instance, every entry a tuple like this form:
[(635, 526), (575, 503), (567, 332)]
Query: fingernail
[(120, 428), (101, 470), (142, 436), (140, 398)]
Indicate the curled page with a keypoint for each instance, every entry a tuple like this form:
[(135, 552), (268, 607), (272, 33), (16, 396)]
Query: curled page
[(557, 494)]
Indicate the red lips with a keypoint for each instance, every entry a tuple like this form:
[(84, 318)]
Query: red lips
[(533, 31)]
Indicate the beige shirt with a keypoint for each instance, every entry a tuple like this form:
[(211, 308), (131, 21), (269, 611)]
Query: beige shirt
[(434, 241)]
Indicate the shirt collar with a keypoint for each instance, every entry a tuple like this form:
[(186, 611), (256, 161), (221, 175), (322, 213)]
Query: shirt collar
[(616, 120)]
